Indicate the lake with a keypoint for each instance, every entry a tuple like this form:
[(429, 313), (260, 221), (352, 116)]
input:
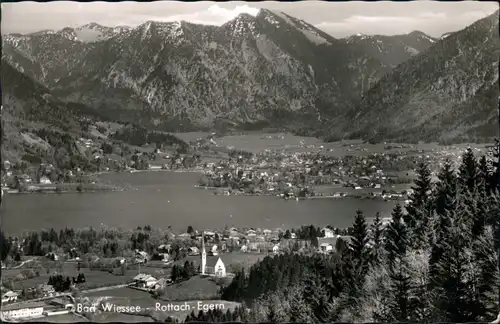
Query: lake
[(163, 199)]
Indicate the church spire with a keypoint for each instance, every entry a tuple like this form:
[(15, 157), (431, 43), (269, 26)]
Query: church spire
[(203, 254), (203, 241)]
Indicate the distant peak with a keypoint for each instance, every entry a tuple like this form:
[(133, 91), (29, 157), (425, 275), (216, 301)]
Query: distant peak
[(419, 33), (263, 12), (245, 16), (66, 29), (92, 25)]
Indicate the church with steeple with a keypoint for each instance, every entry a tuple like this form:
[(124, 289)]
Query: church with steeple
[(211, 265)]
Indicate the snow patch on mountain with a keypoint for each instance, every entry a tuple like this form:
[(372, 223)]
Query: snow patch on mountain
[(411, 50), (284, 17), (88, 35)]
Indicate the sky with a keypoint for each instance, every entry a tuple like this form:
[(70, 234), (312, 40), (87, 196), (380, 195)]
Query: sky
[(340, 19)]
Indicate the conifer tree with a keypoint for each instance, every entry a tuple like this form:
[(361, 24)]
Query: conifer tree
[(419, 209), (316, 297), (399, 304), (376, 238), (396, 237), (455, 300), (396, 246), (485, 173), (445, 200), (487, 278), (481, 207), (468, 171), (359, 247), (446, 189), (496, 163)]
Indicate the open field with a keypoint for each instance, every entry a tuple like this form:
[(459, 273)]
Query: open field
[(94, 278), (191, 136), (196, 288)]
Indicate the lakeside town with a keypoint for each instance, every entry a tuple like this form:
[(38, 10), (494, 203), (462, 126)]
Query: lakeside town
[(309, 171)]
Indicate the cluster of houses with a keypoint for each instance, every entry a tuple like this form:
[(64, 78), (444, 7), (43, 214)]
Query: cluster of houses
[(18, 311), (53, 304)]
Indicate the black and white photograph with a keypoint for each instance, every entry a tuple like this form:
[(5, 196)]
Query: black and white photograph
[(250, 162)]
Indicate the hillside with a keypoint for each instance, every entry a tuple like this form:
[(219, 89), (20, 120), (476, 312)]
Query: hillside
[(251, 72), (392, 50), (36, 126), (448, 93)]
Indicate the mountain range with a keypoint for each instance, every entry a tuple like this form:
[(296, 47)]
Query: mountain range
[(271, 70), (449, 93)]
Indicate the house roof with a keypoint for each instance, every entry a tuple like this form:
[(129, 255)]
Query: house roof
[(143, 277), (9, 307), (212, 260), (10, 294)]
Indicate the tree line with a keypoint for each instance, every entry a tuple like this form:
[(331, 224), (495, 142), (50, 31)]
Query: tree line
[(139, 136)]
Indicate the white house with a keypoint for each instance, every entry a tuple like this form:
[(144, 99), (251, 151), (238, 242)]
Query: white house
[(274, 249), (164, 248), (211, 265), (22, 310), (52, 256), (328, 232), (9, 297), (244, 248), (145, 281), (326, 247), (193, 250), (45, 180)]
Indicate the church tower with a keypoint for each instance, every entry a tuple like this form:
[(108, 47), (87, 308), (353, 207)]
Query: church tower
[(203, 254)]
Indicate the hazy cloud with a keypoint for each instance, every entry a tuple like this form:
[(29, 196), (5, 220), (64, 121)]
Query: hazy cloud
[(433, 23), (213, 15)]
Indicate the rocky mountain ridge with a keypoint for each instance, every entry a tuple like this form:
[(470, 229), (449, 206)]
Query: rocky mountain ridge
[(267, 69), (449, 93), (271, 70), (392, 50)]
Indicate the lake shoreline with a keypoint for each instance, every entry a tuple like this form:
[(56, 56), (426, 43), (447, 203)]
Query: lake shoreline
[(170, 199)]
